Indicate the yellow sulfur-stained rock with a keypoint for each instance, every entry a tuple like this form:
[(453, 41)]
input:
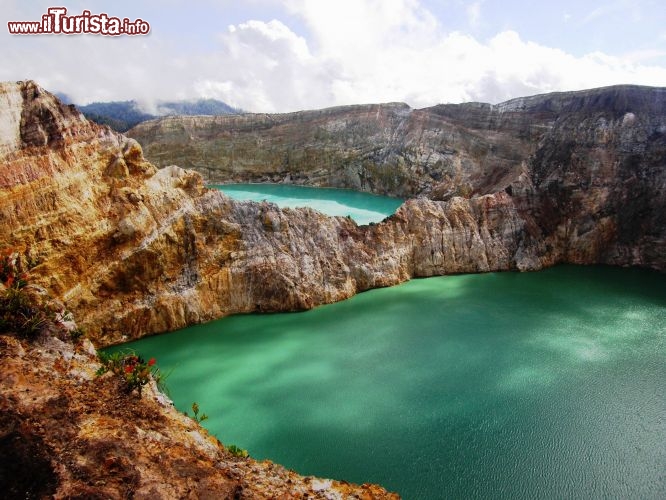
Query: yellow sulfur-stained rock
[(154, 250)]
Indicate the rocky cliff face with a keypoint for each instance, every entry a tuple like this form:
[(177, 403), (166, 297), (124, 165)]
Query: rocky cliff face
[(384, 148), (121, 245), (441, 151), (67, 433), (586, 170), (132, 250)]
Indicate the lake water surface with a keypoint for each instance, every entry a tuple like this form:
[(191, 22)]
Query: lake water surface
[(501, 385), (364, 208)]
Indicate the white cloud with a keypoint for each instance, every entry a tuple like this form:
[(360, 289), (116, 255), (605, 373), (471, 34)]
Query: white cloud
[(637, 56), (405, 55), (265, 67), (348, 51)]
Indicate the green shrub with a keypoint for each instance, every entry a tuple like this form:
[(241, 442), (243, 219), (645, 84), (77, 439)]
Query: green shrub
[(24, 311), (195, 411), (19, 313), (134, 370), (237, 452)]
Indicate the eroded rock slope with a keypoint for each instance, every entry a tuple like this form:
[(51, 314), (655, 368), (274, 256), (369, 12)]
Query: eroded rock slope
[(133, 250), (67, 433), (115, 241)]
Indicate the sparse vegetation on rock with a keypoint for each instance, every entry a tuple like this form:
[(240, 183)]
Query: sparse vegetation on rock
[(23, 311), (195, 413), (133, 369)]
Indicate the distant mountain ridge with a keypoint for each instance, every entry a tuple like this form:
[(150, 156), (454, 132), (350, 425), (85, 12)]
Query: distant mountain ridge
[(123, 115)]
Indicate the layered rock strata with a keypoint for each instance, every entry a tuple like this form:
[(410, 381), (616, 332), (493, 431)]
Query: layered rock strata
[(133, 250), (586, 170), (442, 151), (116, 241)]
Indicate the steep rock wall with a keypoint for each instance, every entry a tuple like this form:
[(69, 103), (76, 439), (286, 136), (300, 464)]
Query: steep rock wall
[(383, 148), (442, 151), (132, 250), (102, 230), (586, 170)]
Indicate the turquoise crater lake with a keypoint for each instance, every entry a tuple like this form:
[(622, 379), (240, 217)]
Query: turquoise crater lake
[(364, 208), (501, 385)]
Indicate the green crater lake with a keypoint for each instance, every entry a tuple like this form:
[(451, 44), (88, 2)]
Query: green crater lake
[(364, 208), (501, 385)]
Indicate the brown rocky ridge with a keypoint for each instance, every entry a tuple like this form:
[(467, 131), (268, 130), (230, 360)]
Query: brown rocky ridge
[(440, 152), (132, 250), (583, 170), (72, 195), (67, 433)]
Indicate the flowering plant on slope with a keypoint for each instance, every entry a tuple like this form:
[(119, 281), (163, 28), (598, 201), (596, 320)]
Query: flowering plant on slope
[(134, 370)]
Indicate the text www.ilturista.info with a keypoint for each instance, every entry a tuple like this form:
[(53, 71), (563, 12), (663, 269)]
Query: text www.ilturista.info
[(57, 22)]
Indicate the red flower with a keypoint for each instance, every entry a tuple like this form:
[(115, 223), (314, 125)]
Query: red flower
[(151, 361), (129, 368)]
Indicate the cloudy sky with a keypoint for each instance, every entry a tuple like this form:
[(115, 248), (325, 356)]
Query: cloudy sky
[(286, 55)]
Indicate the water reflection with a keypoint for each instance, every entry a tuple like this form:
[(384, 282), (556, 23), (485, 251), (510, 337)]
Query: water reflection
[(505, 385)]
